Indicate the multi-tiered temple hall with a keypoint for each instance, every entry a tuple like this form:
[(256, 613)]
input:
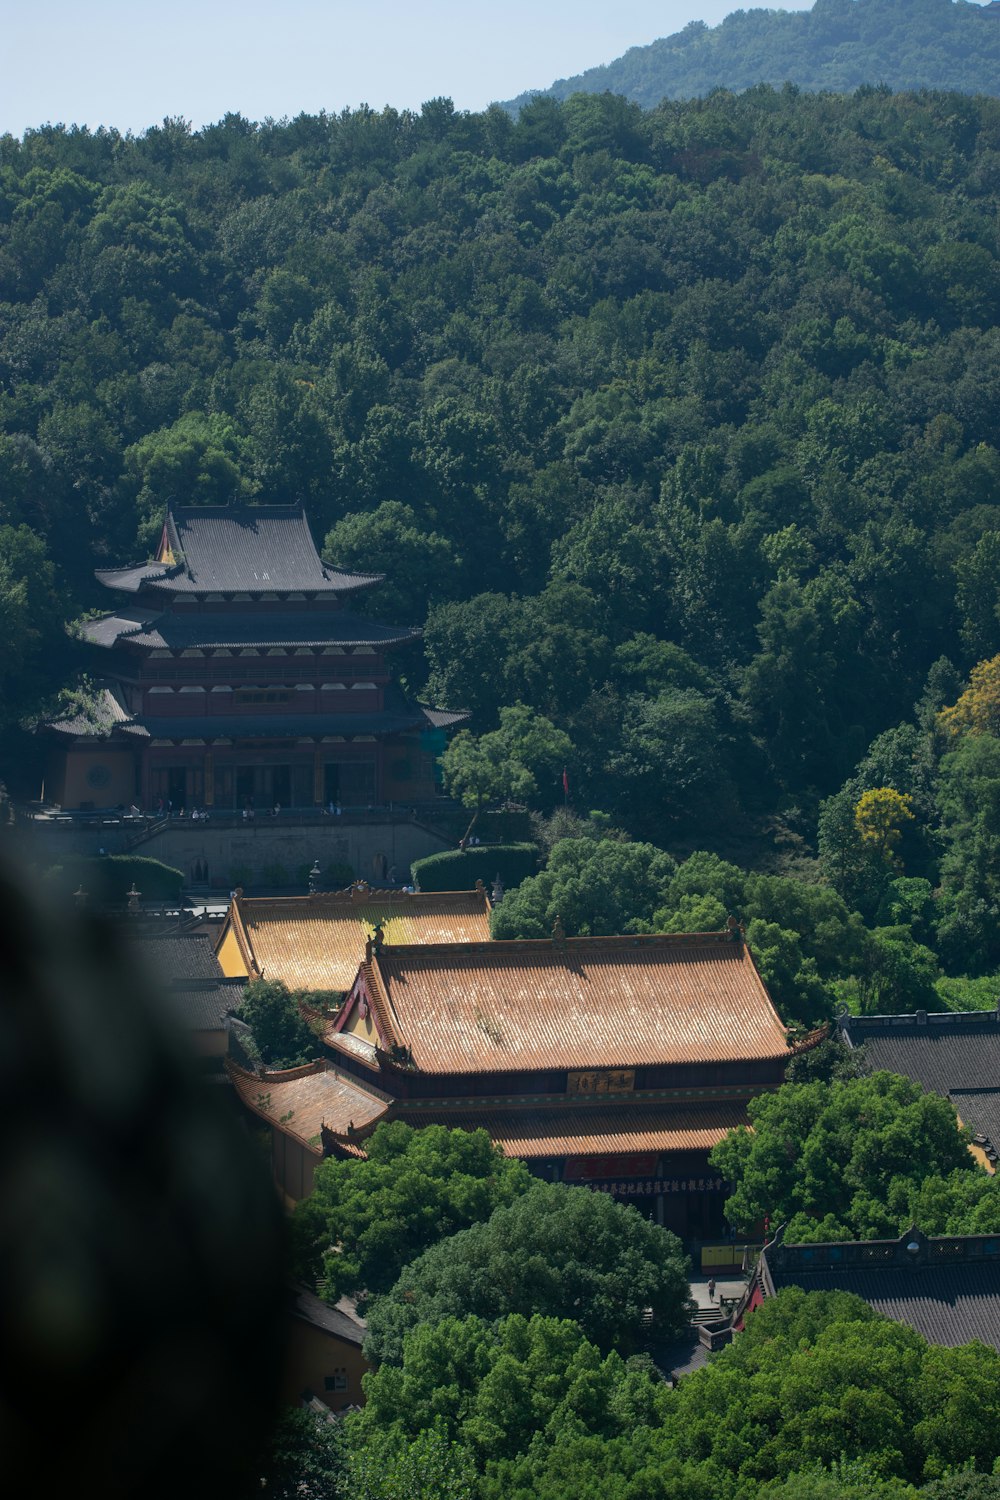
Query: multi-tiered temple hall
[(235, 673)]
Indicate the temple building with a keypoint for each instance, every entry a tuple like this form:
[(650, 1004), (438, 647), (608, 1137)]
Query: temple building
[(952, 1053), (234, 673), (314, 942), (947, 1288), (616, 1062)]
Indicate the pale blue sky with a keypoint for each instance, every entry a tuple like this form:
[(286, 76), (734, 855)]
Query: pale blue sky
[(129, 63)]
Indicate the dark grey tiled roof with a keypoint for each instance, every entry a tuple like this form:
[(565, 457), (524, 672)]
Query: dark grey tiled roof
[(444, 718), (107, 630), (262, 549), (682, 1357), (179, 956), (105, 712), (342, 1320), (946, 1287), (949, 1305), (231, 631), (951, 1050), (980, 1110), (187, 971), (203, 1008), (134, 578)]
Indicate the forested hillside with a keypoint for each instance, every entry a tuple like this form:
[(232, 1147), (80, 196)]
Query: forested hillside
[(837, 45), (678, 428)]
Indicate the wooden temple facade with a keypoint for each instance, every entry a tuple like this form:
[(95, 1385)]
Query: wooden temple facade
[(616, 1062), (234, 673)]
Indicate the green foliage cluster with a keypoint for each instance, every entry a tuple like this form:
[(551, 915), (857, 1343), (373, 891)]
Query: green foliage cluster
[(282, 1037), (595, 885), (717, 384), (521, 761), (510, 1312), (111, 877), (838, 45), (459, 869), (819, 1376), (936, 902), (558, 1251), (365, 1220), (861, 1158), (819, 1399)]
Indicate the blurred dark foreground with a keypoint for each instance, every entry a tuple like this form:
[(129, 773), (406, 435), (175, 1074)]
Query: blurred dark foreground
[(141, 1245)]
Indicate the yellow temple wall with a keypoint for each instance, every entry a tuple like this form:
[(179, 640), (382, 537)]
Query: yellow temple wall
[(230, 958), (361, 1026), (315, 1357), (71, 789)]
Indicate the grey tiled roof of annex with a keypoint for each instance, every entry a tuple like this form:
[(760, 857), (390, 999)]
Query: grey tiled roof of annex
[(260, 549), (243, 630), (941, 1052), (948, 1304), (187, 971)]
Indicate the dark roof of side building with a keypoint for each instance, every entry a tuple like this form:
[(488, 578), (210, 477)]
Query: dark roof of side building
[(343, 1320), (179, 957), (979, 1109), (257, 550), (241, 630), (941, 1051), (102, 713), (947, 1289), (184, 964), (953, 1053)]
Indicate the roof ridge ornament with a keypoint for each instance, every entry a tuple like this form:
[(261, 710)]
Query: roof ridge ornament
[(558, 933)]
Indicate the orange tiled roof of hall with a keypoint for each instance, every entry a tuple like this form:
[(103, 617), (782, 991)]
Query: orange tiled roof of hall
[(585, 1003), (595, 1130), (302, 1100), (317, 942)]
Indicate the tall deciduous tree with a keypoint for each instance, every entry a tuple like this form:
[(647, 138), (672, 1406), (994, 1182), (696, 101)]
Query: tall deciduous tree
[(842, 1160), (523, 760), (595, 885), (366, 1218), (563, 1252)]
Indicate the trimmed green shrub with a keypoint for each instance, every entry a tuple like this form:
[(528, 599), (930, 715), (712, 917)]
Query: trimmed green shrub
[(459, 869)]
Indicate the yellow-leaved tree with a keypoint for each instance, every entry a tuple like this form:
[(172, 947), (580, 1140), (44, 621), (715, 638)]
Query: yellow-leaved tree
[(880, 816), (978, 709)]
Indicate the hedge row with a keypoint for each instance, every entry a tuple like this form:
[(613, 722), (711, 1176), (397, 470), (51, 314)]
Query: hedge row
[(459, 869)]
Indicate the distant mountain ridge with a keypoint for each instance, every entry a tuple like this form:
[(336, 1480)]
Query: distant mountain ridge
[(838, 46)]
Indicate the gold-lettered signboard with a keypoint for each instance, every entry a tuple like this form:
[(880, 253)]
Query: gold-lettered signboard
[(602, 1081)]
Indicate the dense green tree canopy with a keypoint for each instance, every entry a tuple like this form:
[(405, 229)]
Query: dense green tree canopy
[(854, 1159), (836, 44), (281, 1035), (365, 1219), (595, 885), (559, 1251), (818, 1376), (522, 760)]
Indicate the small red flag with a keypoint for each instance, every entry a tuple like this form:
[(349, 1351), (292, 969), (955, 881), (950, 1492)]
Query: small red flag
[(565, 783)]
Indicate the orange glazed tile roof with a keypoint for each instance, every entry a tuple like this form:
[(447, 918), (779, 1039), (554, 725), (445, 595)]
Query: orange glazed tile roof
[(599, 1130), (300, 1101), (617, 1002), (317, 942)]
